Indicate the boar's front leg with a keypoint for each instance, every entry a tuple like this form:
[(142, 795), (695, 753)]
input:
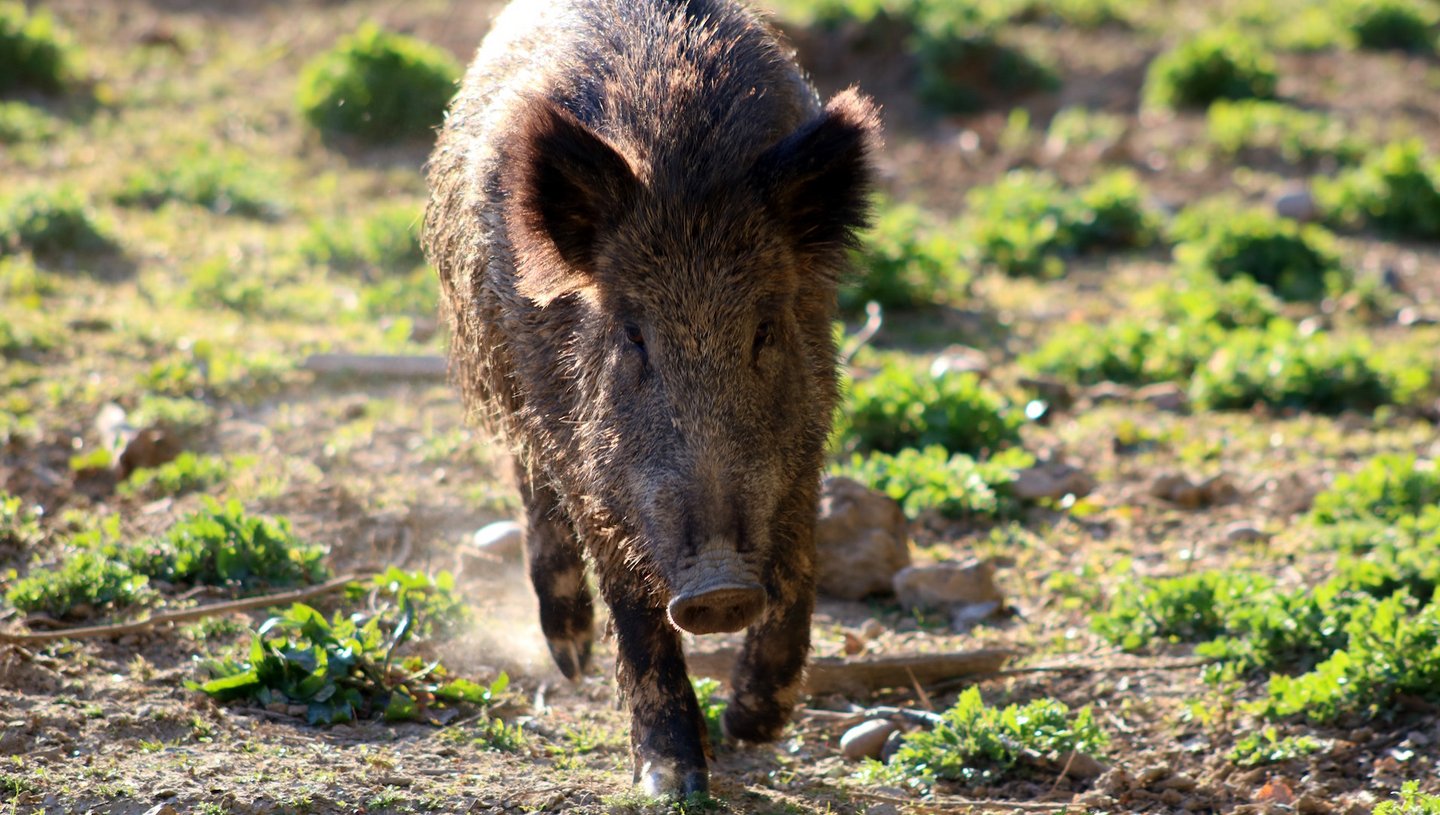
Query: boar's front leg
[(668, 741), (557, 571), (768, 679)]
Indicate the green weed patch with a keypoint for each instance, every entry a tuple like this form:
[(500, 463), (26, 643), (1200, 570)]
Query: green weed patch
[(906, 261), (224, 182), (382, 243), (187, 473), (1297, 262), (49, 221), (1218, 64), (1253, 127), (343, 669), (955, 485), (219, 546), (21, 123), (18, 525), (1388, 488), (903, 406), (1027, 224), (34, 53), (1396, 191), (1410, 801), (378, 86), (1399, 25), (974, 743), (1266, 746)]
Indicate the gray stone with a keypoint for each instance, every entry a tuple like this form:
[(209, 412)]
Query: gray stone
[(862, 538), (1296, 202), (1166, 396), (1052, 481), (945, 585), (1245, 532), (865, 740)]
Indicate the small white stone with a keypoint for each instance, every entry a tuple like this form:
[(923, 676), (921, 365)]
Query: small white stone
[(504, 539)]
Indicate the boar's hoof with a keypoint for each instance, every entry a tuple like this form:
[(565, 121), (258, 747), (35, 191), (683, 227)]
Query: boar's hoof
[(715, 610), (661, 780), (572, 656), (743, 724)]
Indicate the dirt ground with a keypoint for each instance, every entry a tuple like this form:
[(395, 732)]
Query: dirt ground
[(385, 472)]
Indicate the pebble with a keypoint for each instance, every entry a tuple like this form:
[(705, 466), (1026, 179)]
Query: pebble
[(1244, 532), (1296, 202), (1052, 481), (1309, 804), (1166, 396), (867, 739), (505, 539), (960, 359), (1151, 775), (161, 809), (872, 629), (1055, 391)]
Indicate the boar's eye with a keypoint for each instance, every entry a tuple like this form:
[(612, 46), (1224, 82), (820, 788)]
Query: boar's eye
[(764, 335), (632, 333)]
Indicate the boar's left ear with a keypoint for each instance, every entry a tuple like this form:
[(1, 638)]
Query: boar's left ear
[(564, 185), (818, 179)]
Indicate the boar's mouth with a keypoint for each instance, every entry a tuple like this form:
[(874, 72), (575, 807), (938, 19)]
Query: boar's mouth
[(717, 592)]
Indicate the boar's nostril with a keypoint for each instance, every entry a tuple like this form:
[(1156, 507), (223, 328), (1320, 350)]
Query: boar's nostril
[(728, 608)]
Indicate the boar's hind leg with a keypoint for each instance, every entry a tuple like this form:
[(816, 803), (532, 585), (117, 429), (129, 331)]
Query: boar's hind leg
[(667, 733), (768, 679), (557, 570)]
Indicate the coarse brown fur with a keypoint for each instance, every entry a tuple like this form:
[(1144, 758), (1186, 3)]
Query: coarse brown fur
[(640, 212)]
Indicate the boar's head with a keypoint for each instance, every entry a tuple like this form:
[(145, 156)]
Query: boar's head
[(701, 361)]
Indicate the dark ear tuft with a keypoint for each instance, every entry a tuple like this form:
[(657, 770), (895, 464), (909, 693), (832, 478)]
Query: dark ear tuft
[(564, 184), (818, 178)]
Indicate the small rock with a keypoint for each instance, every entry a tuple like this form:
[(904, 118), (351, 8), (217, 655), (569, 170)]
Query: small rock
[(1418, 739), (1153, 774), (1297, 203), (1115, 783), (960, 359), (1243, 532), (1177, 489), (854, 644), (1109, 392), (862, 538), (947, 584), (1410, 317), (1052, 481), (1091, 801), (1083, 765), (882, 808), (871, 629), (1055, 391), (502, 539), (298, 711), (1166, 396), (1171, 797), (1309, 804), (133, 448), (1182, 783), (867, 739), (161, 809)]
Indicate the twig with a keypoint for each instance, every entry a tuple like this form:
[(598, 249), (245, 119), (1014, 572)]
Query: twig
[(920, 691), (184, 615), (947, 803), (874, 320)]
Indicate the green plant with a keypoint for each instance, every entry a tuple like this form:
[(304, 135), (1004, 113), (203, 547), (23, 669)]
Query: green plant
[(1262, 747), (49, 221), (1027, 223), (1391, 651), (19, 528), (342, 669), (21, 123), (974, 743), (1254, 126), (1297, 262), (906, 261), (1079, 127), (903, 406), (33, 52), (430, 599), (1280, 367), (1402, 25), (222, 181), (961, 58), (86, 582), (1396, 190), (712, 707), (380, 244), (220, 546), (1410, 801), (187, 473), (181, 417), (218, 283), (1218, 64), (1386, 488), (955, 485), (378, 86), (1182, 609)]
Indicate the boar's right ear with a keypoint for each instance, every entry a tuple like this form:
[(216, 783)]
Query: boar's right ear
[(818, 179), (564, 184)]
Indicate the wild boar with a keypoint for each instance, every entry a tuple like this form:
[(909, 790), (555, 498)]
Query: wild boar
[(640, 211)]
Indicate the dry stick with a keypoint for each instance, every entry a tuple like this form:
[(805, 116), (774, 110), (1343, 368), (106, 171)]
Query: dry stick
[(184, 615), (946, 803)]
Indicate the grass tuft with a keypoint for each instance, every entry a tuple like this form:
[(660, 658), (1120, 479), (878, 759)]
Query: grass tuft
[(1217, 64)]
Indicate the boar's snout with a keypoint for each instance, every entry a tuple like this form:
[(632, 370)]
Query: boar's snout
[(718, 608)]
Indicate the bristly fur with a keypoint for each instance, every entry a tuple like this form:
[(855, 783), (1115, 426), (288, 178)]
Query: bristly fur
[(640, 211)]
